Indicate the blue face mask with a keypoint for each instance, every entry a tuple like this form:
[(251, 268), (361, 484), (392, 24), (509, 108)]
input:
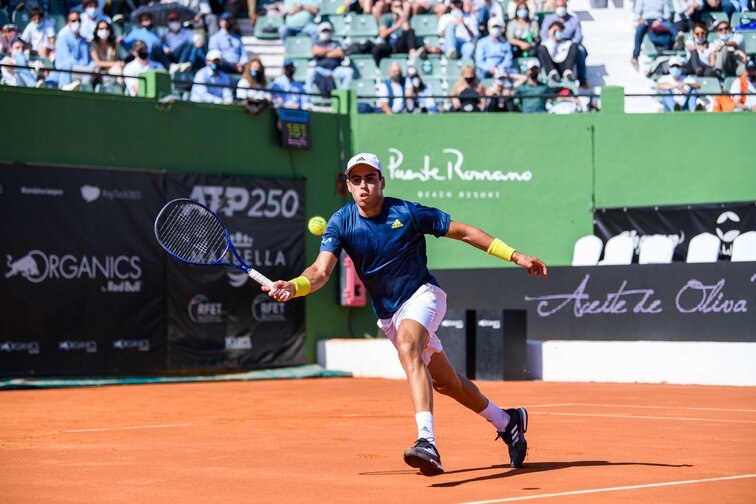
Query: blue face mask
[(19, 57), (522, 13), (215, 67), (558, 35), (725, 36), (675, 71)]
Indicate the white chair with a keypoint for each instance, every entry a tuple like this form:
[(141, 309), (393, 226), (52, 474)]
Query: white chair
[(703, 248), (744, 247), (587, 251), (618, 250), (656, 249)]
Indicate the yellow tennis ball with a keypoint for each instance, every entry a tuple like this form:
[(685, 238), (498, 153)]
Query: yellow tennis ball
[(317, 225)]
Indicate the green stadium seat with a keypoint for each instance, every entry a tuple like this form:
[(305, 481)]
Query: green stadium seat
[(298, 47), (86, 88), (364, 87), (330, 7), (454, 69), (58, 7), (712, 18), (437, 86), (709, 85), (59, 20), (363, 25), (735, 19), (386, 63), (431, 41), (4, 19), (115, 90), (266, 27), (339, 26), (430, 67), (487, 83), (727, 84), (20, 18), (364, 66), (302, 64), (424, 24), (750, 42)]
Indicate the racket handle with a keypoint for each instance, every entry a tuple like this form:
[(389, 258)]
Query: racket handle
[(259, 278)]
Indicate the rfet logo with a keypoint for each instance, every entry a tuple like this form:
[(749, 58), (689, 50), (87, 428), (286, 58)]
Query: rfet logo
[(265, 309), (202, 311)]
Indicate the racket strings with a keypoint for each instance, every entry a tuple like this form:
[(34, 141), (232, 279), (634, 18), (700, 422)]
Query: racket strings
[(191, 233)]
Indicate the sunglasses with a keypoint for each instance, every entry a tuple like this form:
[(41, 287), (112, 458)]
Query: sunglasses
[(723, 29)]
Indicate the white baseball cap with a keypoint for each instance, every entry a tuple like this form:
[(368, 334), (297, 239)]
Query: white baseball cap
[(213, 54), (364, 158), (676, 61)]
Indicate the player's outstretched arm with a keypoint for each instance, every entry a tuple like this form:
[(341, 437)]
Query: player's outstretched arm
[(311, 279), (482, 240)]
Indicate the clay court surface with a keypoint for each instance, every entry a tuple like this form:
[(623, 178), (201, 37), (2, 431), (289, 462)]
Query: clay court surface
[(341, 440)]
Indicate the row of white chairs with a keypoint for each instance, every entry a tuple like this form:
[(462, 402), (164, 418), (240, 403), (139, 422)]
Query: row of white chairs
[(658, 249)]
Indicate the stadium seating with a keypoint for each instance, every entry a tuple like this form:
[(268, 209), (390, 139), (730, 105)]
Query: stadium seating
[(656, 249), (587, 251), (330, 7), (363, 25), (744, 247), (340, 28), (735, 20), (298, 47), (703, 248), (424, 25), (266, 27), (618, 250), (709, 85), (364, 66)]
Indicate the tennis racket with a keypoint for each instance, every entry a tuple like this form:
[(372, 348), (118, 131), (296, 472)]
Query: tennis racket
[(193, 233)]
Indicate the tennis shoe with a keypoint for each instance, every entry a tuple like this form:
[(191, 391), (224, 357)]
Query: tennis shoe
[(514, 436), (424, 456)]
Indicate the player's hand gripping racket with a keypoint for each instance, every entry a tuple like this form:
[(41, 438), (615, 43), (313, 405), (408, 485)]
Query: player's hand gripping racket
[(193, 233)]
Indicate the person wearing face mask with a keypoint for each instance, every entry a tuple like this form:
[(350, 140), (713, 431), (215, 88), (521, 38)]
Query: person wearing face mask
[(39, 34), (252, 85), (143, 31), (493, 51), (532, 92), (687, 14), (392, 92), (290, 91), (328, 73), (140, 63), (459, 29), (468, 93), (653, 17), (728, 50), (678, 89), (523, 31), (211, 84), (419, 96), (104, 53), (230, 45), (90, 16), (573, 32), (557, 54), (178, 45), (72, 53), (17, 76), (700, 53), (396, 34), (500, 94), (745, 87)]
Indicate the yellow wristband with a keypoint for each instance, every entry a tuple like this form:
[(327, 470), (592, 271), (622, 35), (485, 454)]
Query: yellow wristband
[(302, 286), (501, 250)]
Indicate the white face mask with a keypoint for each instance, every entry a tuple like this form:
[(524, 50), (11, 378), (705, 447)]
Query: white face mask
[(91, 12), (561, 11), (324, 36), (103, 34), (75, 26), (495, 32), (174, 26), (416, 82)]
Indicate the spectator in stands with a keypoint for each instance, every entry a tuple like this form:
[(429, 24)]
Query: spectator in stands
[(729, 50), (493, 51), (436, 7), (300, 18), (679, 89), (104, 52), (90, 16), (700, 53), (572, 31), (328, 73), (729, 7), (485, 10), (253, 84), (39, 34), (17, 76), (144, 32), (500, 94), (468, 92), (392, 93), (687, 14), (652, 17), (211, 84), (419, 95), (565, 102), (205, 15), (532, 92), (557, 54), (230, 45), (382, 7), (179, 46), (287, 86), (523, 31), (72, 53), (140, 63), (459, 29), (8, 35), (746, 83), (396, 34)]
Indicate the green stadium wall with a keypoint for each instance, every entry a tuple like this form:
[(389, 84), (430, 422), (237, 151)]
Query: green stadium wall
[(531, 179)]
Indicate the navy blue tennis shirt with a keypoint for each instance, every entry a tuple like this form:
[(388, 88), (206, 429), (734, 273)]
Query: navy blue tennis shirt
[(388, 250)]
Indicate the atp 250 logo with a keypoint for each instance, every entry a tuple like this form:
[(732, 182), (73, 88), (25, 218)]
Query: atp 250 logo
[(122, 273), (255, 202)]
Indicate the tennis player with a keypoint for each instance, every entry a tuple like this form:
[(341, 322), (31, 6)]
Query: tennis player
[(385, 239)]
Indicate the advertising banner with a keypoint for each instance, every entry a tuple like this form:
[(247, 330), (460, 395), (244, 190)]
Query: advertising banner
[(681, 223), (218, 317), (82, 282)]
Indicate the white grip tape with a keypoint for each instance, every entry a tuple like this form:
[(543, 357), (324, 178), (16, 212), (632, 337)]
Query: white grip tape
[(259, 278)]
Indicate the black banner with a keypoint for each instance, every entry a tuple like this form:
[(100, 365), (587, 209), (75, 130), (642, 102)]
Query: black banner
[(681, 223), (82, 289), (658, 302), (218, 318)]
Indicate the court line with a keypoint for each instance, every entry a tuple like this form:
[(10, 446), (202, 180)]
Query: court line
[(642, 406), (613, 489), (131, 427), (683, 419)]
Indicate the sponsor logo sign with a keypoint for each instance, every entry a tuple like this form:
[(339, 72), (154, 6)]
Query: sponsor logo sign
[(141, 345), (89, 346), (203, 311), (90, 193), (266, 309), (30, 347), (238, 343)]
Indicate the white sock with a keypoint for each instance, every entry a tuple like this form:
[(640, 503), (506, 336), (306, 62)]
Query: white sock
[(424, 421), (497, 416)]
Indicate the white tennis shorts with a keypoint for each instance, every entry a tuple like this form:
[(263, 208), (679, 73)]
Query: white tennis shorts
[(426, 306)]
